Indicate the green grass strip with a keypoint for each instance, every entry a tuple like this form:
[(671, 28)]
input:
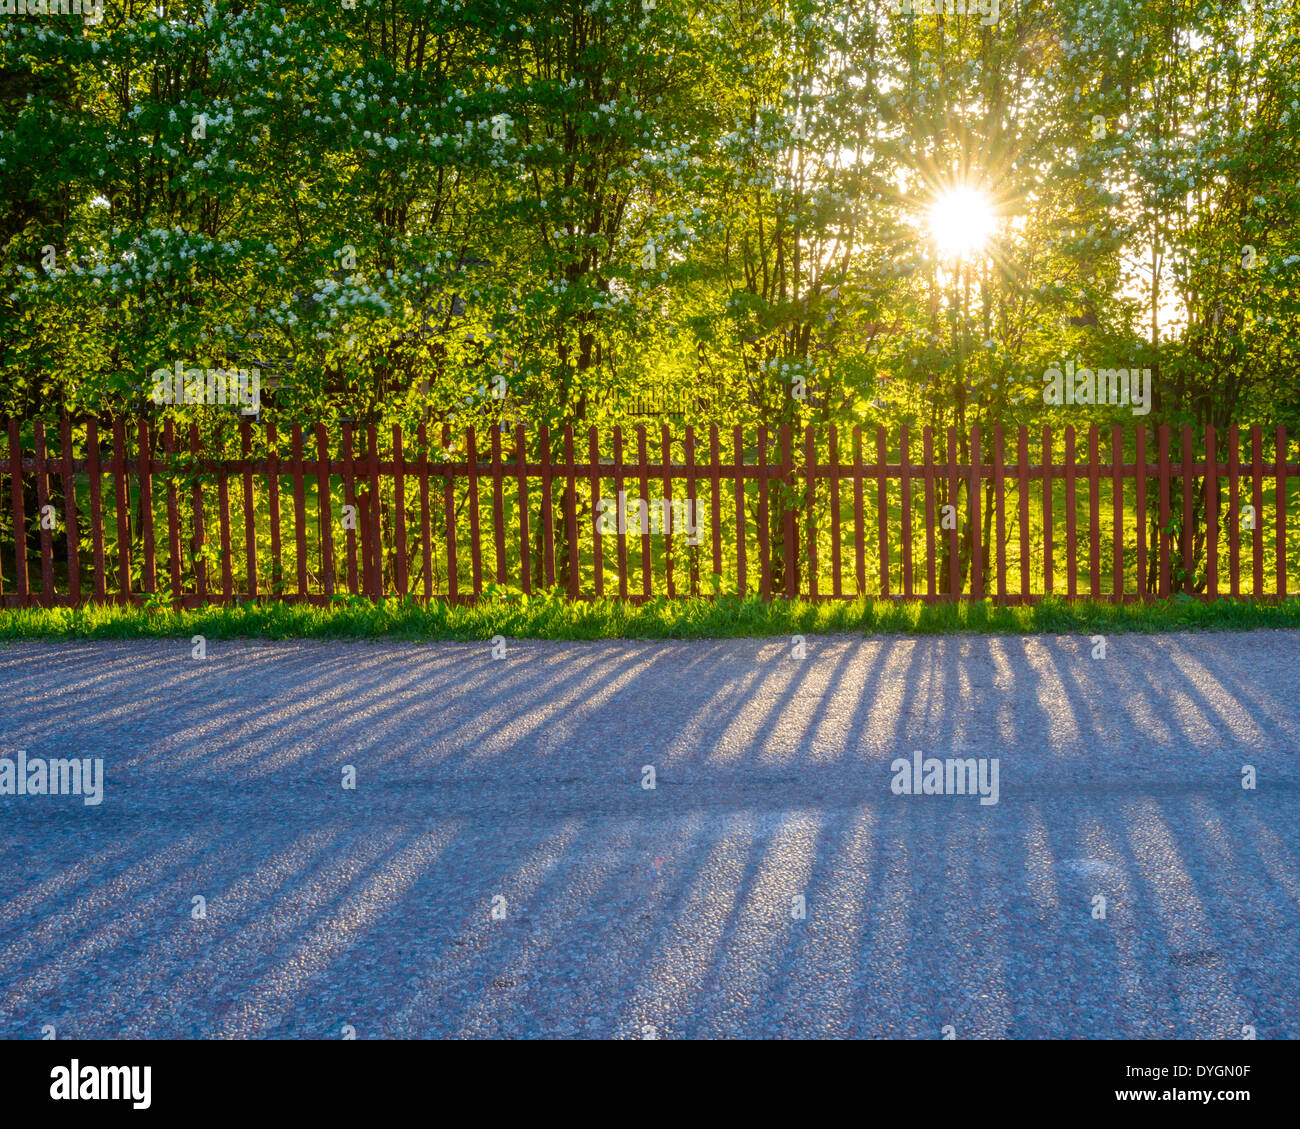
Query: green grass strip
[(553, 617)]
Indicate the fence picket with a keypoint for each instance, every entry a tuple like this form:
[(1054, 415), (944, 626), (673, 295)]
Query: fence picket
[(223, 520), (789, 562), (20, 518), (475, 545), (273, 495), (976, 490), (250, 517), (173, 516), (620, 515), (810, 520), (1000, 510), (42, 524), (426, 519), (1166, 539), (882, 511), (449, 514), (834, 489), (1071, 516), (145, 442), (738, 448), (1257, 505), (643, 467), (72, 534), (521, 474), (1279, 508), (1187, 530), (1140, 517), (350, 509), (715, 501), (764, 553), (548, 516), (905, 474), (1211, 512), (665, 519), (570, 511), (597, 540), (498, 507), (2, 564), (98, 585), (1117, 513), (122, 502), (927, 442), (374, 524), (1022, 501), (324, 515), (859, 528), (954, 531), (299, 514), (1234, 514), (399, 511), (1049, 564), (1094, 516), (692, 552)]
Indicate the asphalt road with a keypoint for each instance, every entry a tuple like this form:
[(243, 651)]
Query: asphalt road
[(500, 869)]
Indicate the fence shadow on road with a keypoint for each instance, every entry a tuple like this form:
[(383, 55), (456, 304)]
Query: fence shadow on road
[(517, 786)]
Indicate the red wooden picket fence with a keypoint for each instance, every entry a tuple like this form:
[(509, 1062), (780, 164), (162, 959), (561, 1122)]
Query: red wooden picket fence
[(777, 515)]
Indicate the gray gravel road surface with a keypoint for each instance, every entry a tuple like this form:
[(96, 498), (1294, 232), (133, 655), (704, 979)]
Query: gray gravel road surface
[(500, 869)]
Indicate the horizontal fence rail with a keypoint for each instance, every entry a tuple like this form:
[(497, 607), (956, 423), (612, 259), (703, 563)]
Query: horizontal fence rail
[(105, 512)]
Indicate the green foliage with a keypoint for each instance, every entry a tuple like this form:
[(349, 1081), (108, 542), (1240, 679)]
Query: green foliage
[(552, 211)]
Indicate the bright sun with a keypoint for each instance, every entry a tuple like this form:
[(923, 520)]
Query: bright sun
[(961, 222)]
